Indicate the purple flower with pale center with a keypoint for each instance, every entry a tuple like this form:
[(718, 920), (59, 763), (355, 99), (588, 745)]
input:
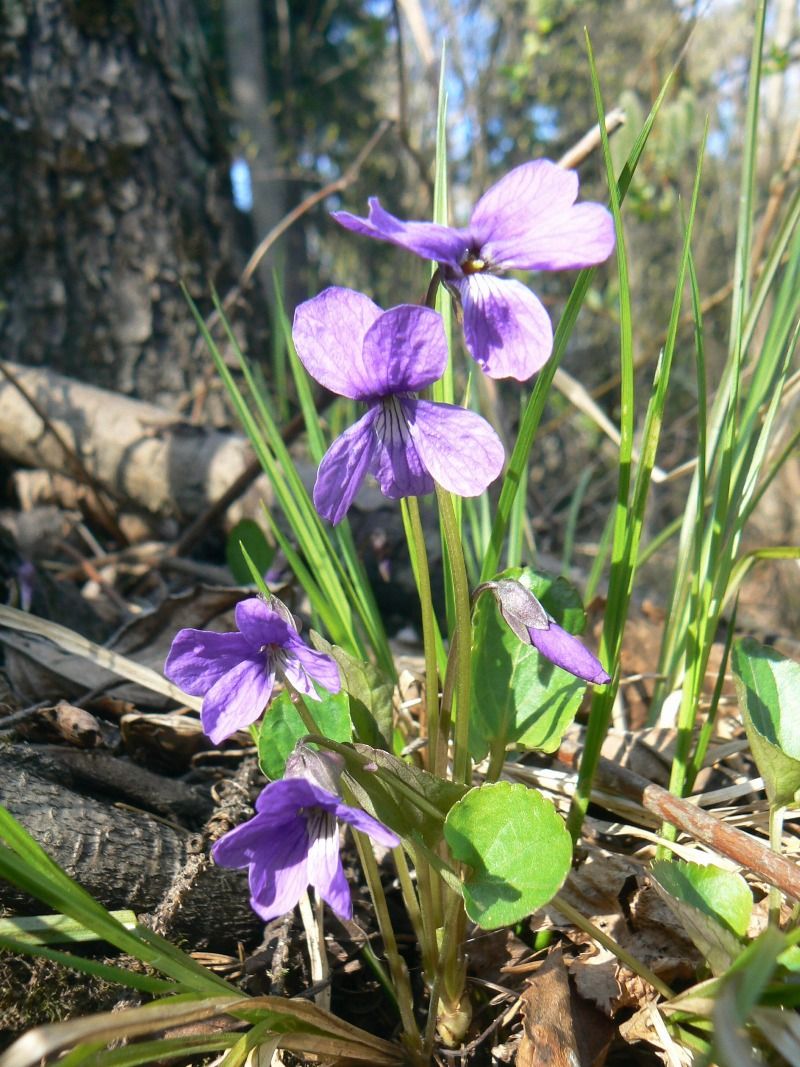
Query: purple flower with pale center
[(527, 221), (384, 358), (293, 842), (235, 672)]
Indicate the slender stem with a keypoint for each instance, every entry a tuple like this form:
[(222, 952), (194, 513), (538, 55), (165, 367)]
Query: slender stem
[(776, 813), (419, 553), (397, 965), (462, 765), (449, 941), (622, 954), (433, 288), (497, 758), (302, 709), (415, 913)]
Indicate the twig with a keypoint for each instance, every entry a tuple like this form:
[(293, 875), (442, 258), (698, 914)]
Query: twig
[(747, 851), (336, 186), (590, 140)]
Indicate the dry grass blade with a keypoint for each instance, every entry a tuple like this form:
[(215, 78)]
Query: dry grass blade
[(74, 643)]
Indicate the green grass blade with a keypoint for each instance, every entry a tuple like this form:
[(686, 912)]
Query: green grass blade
[(513, 481)]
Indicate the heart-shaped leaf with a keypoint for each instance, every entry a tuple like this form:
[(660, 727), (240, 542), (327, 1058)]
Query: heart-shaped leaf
[(370, 692), (517, 847), (517, 693), (282, 727), (713, 905), (768, 686)]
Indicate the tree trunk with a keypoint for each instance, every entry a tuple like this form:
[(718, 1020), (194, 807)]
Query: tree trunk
[(113, 189)]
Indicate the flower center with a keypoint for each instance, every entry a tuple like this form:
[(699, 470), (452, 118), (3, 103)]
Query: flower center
[(391, 426), (319, 822), (473, 263)]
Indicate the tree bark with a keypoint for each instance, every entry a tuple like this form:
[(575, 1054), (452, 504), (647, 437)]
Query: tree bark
[(113, 189)]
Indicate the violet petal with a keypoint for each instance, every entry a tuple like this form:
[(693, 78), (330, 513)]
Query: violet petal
[(199, 658), (507, 330), (443, 244), (360, 820), (279, 874), (260, 624), (324, 866), (396, 463), (291, 794), (237, 699), (514, 208), (530, 221), (328, 333), (303, 664), (458, 447), (567, 652), (344, 467), (405, 350)]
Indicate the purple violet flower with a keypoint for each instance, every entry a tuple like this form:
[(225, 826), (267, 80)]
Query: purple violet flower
[(523, 613), (235, 672), (567, 652), (293, 842), (383, 358), (527, 221)]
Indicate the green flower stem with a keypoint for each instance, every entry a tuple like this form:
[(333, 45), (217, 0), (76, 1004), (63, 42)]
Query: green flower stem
[(419, 555), (449, 946), (302, 709), (461, 645), (430, 898), (414, 911), (397, 965), (497, 759), (776, 813), (433, 288), (622, 954)]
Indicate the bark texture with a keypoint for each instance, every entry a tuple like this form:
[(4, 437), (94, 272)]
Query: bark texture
[(126, 859), (113, 188)]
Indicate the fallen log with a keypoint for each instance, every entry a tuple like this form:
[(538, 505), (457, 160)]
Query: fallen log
[(137, 452), (127, 859)]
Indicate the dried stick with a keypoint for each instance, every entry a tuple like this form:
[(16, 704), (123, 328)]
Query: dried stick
[(744, 849), (587, 144), (336, 186)]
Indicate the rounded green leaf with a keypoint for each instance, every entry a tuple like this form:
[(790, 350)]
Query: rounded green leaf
[(768, 687), (281, 728), (713, 906), (516, 846)]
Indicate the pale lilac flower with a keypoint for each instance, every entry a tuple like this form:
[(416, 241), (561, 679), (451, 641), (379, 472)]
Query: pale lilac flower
[(293, 842), (235, 672), (527, 221), (531, 623), (383, 358)]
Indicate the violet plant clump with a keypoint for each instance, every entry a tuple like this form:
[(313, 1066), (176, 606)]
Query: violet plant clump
[(413, 446), (527, 221)]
